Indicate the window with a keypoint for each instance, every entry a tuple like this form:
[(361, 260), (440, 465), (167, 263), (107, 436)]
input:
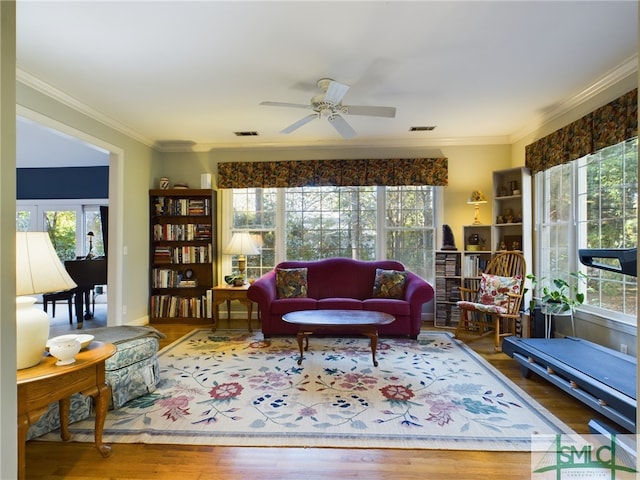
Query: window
[(591, 203), (365, 223), (67, 223)]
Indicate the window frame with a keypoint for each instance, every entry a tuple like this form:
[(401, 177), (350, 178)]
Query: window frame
[(37, 209), (227, 227), (576, 237)]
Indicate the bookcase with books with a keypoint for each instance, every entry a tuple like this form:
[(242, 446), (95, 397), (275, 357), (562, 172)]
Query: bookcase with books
[(182, 255), (448, 279), (511, 210)]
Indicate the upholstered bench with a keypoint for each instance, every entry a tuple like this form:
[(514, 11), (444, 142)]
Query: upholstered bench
[(131, 372)]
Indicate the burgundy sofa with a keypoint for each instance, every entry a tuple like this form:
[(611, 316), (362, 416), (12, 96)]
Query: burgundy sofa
[(346, 284)]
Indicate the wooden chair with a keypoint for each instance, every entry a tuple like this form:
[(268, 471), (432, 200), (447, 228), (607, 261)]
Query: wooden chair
[(492, 304)]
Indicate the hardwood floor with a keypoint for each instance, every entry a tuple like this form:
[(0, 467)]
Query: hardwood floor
[(51, 460)]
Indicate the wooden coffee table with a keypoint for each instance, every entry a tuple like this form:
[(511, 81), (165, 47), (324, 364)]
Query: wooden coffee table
[(361, 322)]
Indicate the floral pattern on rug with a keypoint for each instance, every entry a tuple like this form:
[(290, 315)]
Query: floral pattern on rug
[(432, 393)]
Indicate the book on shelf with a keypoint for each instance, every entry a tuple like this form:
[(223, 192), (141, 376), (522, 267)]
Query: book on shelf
[(175, 306), (182, 206), (181, 232), (474, 265)]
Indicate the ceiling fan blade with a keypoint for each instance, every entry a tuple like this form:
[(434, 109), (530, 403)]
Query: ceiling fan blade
[(299, 123), (341, 125), (285, 104), (389, 112), (335, 92)]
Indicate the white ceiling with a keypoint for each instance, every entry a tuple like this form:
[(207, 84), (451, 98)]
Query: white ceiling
[(196, 71)]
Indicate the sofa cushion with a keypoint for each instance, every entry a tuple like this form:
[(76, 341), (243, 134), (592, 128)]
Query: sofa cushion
[(397, 308), (286, 305), (389, 284), (339, 304), (291, 282)]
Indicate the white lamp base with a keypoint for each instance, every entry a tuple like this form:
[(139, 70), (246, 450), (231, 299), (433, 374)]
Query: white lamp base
[(32, 332)]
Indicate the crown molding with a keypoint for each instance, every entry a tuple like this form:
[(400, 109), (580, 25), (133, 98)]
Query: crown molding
[(33, 82), (624, 70), (331, 145)]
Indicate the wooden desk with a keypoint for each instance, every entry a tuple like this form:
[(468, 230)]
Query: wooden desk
[(227, 293), (45, 383)]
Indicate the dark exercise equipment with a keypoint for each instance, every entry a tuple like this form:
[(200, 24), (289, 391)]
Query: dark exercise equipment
[(600, 377)]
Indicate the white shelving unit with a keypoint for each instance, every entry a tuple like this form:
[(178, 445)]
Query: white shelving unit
[(512, 230)]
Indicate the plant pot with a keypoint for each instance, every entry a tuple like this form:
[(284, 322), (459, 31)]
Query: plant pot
[(556, 308)]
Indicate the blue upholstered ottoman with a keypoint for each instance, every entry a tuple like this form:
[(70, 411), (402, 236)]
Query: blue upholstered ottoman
[(131, 372)]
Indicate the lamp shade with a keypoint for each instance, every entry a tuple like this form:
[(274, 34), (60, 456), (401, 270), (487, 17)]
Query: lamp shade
[(477, 197), (38, 268), (241, 243)]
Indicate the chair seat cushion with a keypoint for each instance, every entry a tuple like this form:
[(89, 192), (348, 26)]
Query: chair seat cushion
[(482, 307)]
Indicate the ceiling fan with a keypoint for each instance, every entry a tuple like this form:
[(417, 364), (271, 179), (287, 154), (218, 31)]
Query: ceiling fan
[(329, 105)]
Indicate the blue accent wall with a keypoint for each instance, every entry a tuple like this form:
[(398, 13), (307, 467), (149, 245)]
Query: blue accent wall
[(62, 183)]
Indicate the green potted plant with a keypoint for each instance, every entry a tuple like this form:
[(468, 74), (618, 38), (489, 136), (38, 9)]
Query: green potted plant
[(558, 295), (236, 279)]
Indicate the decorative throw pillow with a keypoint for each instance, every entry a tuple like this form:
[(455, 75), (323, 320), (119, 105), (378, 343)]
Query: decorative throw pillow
[(494, 289), (291, 282), (389, 284)]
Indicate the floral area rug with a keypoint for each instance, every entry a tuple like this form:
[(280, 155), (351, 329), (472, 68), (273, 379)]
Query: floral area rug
[(239, 389)]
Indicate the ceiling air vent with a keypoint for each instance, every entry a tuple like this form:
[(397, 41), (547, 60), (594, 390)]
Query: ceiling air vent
[(246, 134), (422, 129)]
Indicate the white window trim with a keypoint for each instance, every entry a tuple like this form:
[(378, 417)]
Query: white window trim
[(610, 319)]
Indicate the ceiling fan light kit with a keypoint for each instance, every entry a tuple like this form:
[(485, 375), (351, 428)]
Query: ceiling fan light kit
[(329, 105)]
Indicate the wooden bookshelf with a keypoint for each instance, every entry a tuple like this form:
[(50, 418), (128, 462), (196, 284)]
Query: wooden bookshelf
[(182, 255)]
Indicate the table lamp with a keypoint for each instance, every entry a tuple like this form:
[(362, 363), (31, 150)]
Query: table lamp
[(38, 270), (241, 244), (476, 198), (90, 255)]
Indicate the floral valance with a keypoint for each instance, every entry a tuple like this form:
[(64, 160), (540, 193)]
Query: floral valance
[(351, 172), (612, 123)]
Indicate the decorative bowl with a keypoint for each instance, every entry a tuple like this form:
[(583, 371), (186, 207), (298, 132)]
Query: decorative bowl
[(64, 349), (84, 339)]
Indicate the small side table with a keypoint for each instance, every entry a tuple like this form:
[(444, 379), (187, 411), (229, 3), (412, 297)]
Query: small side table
[(227, 293), (46, 382)]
